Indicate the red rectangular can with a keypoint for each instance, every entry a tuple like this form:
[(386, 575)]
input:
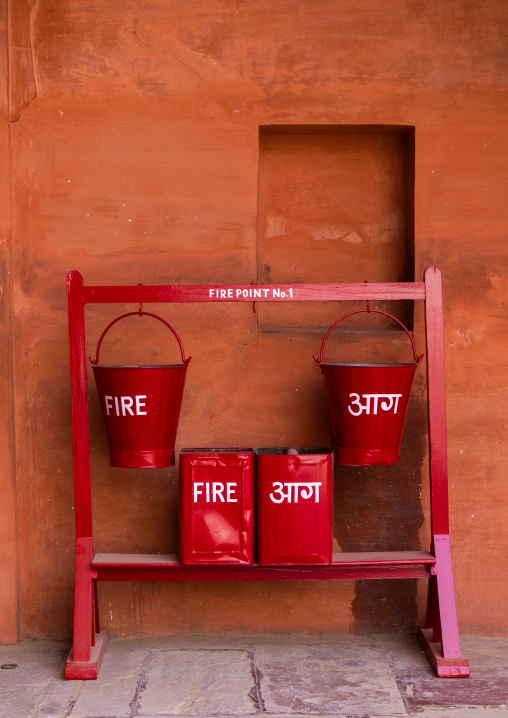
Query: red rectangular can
[(216, 506), (294, 503)]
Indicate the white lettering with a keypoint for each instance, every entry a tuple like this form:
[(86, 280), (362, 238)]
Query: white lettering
[(292, 492), (356, 401), (375, 398), (215, 492), (139, 404), (385, 406), (126, 402), (217, 489), (306, 490), (392, 402), (277, 489), (123, 405), (216, 293)]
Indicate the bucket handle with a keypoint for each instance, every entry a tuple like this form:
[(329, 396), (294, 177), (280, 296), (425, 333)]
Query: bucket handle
[(368, 311), (140, 313)]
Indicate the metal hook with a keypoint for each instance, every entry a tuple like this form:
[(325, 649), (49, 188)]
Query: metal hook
[(367, 301), (140, 311), (253, 281)]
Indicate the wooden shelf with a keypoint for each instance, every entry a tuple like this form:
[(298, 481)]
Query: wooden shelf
[(165, 567)]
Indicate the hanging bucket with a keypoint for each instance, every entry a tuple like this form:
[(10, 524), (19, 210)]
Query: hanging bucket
[(141, 407), (368, 405)]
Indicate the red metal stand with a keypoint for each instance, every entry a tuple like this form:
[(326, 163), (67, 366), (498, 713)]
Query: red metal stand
[(440, 637)]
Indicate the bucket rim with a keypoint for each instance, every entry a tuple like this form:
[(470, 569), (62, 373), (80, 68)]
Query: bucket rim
[(137, 366), (366, 364)]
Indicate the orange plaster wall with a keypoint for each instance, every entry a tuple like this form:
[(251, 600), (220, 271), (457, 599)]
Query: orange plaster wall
[(8, 535), (135, 158)]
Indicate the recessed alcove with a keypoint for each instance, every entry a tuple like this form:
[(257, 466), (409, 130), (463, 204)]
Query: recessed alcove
[(336, 204)]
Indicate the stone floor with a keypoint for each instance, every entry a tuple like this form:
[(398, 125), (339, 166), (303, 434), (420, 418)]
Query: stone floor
[(255, 675)]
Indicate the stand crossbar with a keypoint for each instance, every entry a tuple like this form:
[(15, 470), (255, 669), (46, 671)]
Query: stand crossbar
[(439, 637)]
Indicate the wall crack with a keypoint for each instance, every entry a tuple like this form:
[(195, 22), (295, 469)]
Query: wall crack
[(188, 67), (23, 83)]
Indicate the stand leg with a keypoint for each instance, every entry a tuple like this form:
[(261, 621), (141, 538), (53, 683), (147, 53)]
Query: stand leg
[(432, 617), (440, 637), (97, 625), (88, 647)]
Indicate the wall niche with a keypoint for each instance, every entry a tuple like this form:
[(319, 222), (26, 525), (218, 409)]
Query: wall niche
[(336, 204)]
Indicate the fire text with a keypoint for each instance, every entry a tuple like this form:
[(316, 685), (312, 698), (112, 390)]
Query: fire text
[(289, 492), (123, 405), (391, 403), (215, 492)]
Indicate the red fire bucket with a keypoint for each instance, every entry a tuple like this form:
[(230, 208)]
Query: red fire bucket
[(368, 405), (141, 407)]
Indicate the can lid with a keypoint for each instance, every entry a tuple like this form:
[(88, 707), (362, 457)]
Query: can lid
[(208, 450), (283, 451)]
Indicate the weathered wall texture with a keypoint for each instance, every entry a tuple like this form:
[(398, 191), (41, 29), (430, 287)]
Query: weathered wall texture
[(8, 536), (134, 155)]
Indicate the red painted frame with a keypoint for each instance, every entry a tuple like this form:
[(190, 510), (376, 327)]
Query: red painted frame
[(439, 637)]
